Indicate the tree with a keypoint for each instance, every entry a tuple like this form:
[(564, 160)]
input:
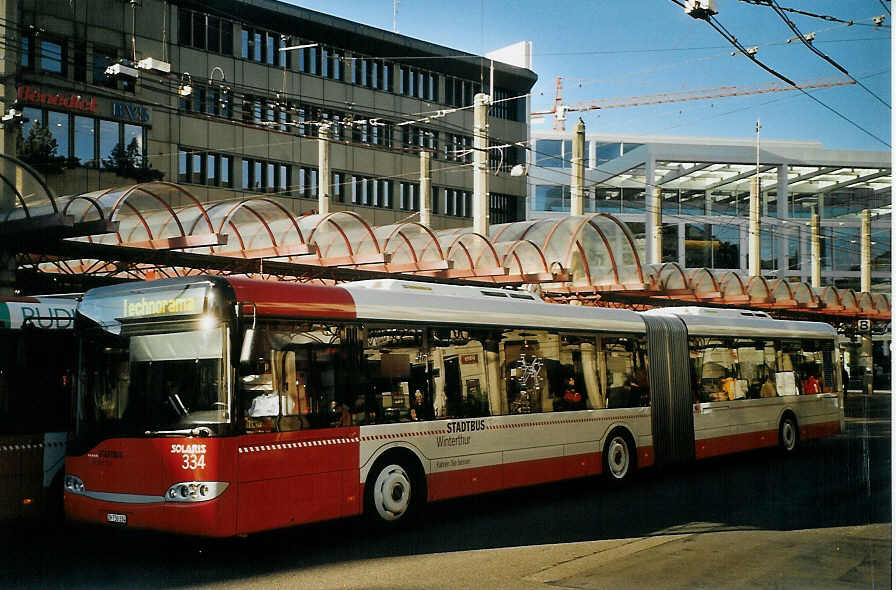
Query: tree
[(39, 149), (130, 163)]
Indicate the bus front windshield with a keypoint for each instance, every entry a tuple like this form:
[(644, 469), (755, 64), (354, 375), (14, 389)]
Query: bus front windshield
[(153, 384)]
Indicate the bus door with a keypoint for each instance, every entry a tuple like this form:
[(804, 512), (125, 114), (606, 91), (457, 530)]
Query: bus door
[(670, 390)]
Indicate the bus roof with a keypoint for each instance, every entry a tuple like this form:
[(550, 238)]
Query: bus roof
[(708, 321), (410, 301), (395, 300)]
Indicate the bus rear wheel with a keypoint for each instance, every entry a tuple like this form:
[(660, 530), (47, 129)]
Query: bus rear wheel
[(390, 495), (619, 457), (788, 434)]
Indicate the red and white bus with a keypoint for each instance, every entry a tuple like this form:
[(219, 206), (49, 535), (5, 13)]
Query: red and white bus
[(37, 363), (224, 406)]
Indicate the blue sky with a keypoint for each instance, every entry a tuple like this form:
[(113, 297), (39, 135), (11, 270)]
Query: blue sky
[(614, 49)]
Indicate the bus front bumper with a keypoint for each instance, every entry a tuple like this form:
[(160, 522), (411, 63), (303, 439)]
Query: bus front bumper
[(212, 518)]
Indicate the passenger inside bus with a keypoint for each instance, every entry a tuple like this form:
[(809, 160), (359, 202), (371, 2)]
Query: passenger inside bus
[(768, 385), (811, 384)]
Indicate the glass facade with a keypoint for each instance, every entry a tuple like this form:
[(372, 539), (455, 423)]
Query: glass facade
[(77, 136), (706, 209)]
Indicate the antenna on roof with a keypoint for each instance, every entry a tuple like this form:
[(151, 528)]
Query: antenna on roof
[(394, 16)]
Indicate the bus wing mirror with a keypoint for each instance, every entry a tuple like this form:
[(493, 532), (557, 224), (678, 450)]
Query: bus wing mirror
[(248, 337), (248, 345)]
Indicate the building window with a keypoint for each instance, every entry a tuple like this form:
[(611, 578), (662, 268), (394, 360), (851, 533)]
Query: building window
[(504, 208), (214, 33), (459, 93), (103, 57), (133, 134), (257, 45), (435, 204), (207, 168), (26, 57), (58, 125), (85, 140), (184, 26), (331, 64), (224, 177), (259, 175), (305, 184), (109, 139), (409, 196), (270, 47), (511, 109), (458, 203), (80, 61), (52, 56), (384, 193), (204, 31), (199, 29)]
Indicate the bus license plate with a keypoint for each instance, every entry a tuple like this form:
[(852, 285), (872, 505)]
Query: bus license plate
[(115, 518)]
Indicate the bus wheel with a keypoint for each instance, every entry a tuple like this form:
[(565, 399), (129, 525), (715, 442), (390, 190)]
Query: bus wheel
[(788, 434), (619, 456), (390, 494)]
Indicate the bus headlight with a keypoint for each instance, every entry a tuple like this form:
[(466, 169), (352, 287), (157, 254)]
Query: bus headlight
[(74, 484), (195, 491)]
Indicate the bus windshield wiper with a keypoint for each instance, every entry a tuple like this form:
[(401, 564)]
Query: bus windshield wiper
[(199, 431)]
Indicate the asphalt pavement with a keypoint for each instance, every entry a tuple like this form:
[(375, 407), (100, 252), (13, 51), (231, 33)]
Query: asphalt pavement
[(820, 518)]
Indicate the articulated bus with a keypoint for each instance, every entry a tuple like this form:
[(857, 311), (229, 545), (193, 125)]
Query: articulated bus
[(224, 406), (36, 392)]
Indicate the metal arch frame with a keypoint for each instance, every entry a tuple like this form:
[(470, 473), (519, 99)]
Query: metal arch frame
[(516, 245), (728, 278), (851, 307), (629, 237), (695, 278), (248, 201), (531, 224), (830, 291), (92, 201), (662, 276), (606, 242), (21, 198), (778, 284), (882, 303), (866, 303), (122, 201), (228, 220), (764, 285), (399, 230), (27, 167), (457, 242), (329, 218), (813, 300)]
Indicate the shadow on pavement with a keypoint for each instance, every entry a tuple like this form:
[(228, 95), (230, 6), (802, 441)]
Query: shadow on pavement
[(842, 481)]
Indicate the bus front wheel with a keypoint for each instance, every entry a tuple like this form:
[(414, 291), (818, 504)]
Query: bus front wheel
[(390, 493), (619, 456)]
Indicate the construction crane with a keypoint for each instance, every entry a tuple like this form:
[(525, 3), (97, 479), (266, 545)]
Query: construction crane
[(559, 109)]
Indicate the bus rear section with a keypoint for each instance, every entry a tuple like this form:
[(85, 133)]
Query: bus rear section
[(36, 380), (758, 382)]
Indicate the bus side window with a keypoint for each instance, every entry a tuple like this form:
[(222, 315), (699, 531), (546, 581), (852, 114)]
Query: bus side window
[(525, 376), (464, 369), (289, 384), (260, 405), (625, 359)]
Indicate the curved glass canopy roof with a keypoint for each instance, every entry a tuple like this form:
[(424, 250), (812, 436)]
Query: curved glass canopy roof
[(570, 256)]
